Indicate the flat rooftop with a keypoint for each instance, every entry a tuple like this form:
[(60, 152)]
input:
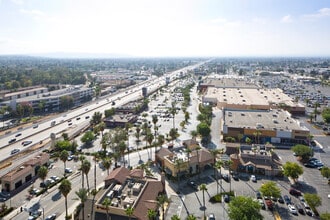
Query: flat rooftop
[(229, 82), (249, 96), (269, 120)]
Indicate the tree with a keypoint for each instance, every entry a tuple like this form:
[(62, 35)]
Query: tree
[(191, 217), (325, 172), (175, 217), (173, 134), (137, 133), (162, 199), (151, 214), (149, 139), (218, 165), (85, 168), (325, 216), (292, 170), (88, 137), (203, 129), (313, 200), (193, 134), (203, 188), (107, 162), (178, 164), (173, 111), (82, 196), (65, 188), (326, 115), (154, 121), (129, 212), (303, 151), (242, 207), (64, 157), (214, 153), (42, 173), (109, 112), (270, 189), (107, 202), (96, 118)]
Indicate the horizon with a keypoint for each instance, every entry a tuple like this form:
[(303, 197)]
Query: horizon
[(146, 28)]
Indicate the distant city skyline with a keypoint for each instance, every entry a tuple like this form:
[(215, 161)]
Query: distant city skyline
[(171, 28)]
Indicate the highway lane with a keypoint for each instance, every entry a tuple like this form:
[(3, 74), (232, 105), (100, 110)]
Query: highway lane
[(44, 129)]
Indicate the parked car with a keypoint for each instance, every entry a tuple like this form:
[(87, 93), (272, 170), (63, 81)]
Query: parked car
[(253, 178), (262, 204), (280, 200), (235, 176), (193, 185), (226, 198), (287, 199), (55, 178), (51, 217), (295, 192), (226, 177), (68, 170), (300, 209), (258, 195), (211, 216), (292, 209)]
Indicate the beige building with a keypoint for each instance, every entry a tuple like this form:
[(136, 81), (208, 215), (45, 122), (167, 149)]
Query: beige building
[(18, 177)]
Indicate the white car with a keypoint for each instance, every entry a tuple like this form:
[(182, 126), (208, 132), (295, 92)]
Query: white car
[(292, 209), (253, 178)]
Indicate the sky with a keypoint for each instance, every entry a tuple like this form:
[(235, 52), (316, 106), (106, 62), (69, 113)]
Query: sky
[(168, 28)]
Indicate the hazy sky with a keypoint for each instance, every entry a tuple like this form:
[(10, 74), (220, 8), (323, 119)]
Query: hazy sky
[(166, 28)]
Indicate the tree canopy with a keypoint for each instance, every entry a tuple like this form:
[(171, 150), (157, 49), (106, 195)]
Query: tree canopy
[(270, 189), (242, 207), (292, 170), (325, 172), (303, 151), (313, 200)]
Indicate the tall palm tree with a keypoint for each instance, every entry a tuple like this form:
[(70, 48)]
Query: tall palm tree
[(122, 147), (229, 163), (160, 140), (137, 133), (154, 121), (42, 174), (107, 162), (173, 112), (64, 157), (162, 199), (214, 153), (203, 188), (178, 164), (82, 158), (149, 139), (65, 188), (85, 168), (218, 165), (152, 214), (129, 212), (107, 202), (175, 217), (188, 151), (198, 162), (82, 196)]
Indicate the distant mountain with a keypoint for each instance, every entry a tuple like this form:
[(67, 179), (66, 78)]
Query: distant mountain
[(80, 55)]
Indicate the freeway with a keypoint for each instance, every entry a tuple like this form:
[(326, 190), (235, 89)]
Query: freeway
[(61, 122)]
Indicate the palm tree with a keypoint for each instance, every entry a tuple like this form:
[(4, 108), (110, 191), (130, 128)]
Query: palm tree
[(178, 164), (82, 196), (175, 217), (102, 127), (173, 112), (229, 163), (149, 139), (107, 202), (188, 151), (107, 162), (85, 168), (151, 214), (42, 174), (65, 188), (160, 140), (203, 188), (64, 157), (154, 121), (192, 217), (198, 165), (122, 147), (162, 200), (193, 134), (129, 212), (137, 133), (218, 165), (82, 158), (96, 118), (214, 153)]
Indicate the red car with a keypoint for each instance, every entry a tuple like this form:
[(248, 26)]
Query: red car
[(295, 192)]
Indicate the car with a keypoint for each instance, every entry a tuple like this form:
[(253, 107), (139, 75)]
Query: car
[(300, 209), (19, 134), (34, 191), (26, 143), (78, 118), (211, 217), (193, 185), (226, 177), (235, 176), (269, 204), (292, 209), (11, 140), (15, 151), (258, 195), (70, 158), (253, 178), (287, 199), (262, 204), (301, 199), (87, 117), (310, 165), (35, 126), (55, 178), (295, 192), (70, 124), (309, 211), (313, 143), (68, 170), (51, 217), (280, 200), (226, 198)]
